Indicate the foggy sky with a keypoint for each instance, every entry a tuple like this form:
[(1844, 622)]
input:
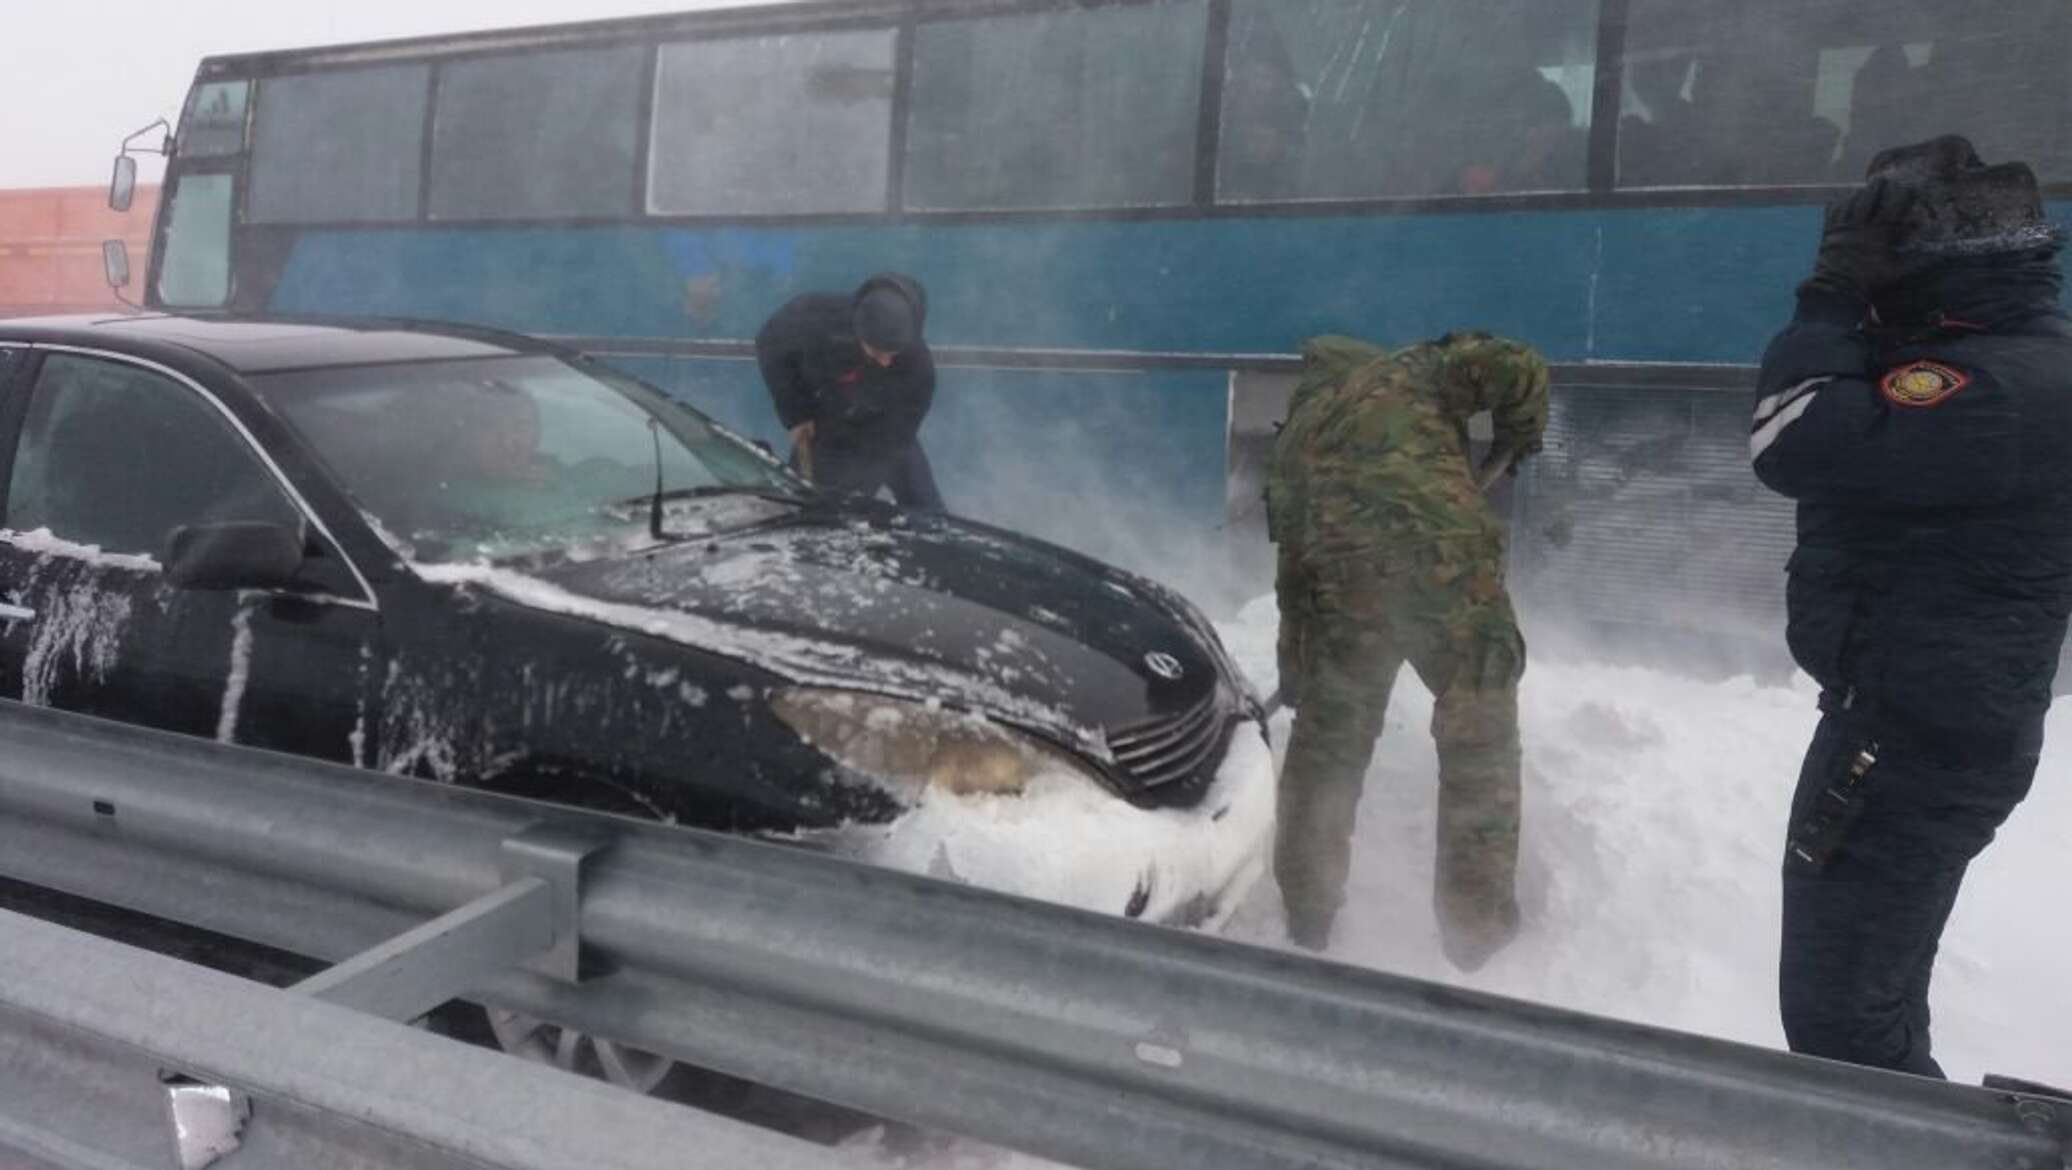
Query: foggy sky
[(78, 75)]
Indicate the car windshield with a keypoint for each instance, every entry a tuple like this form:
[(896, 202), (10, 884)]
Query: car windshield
[(522, 457)]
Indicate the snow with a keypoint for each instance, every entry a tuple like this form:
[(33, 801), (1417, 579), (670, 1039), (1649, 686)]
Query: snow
[(240, 670), (1649, 869), (82, 623), (801, 659), (1068, 840), (43, 542), (1649, 873)]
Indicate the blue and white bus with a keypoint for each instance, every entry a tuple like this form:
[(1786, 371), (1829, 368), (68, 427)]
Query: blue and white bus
[(1128, 213)]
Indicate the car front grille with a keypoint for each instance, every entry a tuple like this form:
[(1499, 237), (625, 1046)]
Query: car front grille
[(1171, 760)]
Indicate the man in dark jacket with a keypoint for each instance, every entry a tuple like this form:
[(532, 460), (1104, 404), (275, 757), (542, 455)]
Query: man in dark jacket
[(1919, 409), (852, 381)]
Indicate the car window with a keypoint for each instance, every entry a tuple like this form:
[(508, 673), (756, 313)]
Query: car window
[(117, 457), (508, 457)]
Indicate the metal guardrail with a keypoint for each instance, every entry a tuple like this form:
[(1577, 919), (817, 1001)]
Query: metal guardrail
[(89, 1029), (1106, 1044)]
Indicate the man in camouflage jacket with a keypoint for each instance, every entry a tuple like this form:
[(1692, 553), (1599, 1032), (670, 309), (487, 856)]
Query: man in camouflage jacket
[(1390, 553)]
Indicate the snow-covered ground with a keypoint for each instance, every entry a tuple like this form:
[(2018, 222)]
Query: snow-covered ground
[(1654, 807)]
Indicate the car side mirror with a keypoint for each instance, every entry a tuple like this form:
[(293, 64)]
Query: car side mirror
[(122, 188), (115, 264), (233, 556)]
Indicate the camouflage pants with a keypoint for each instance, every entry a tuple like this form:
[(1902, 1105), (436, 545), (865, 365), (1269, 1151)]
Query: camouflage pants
[(1347, 628)]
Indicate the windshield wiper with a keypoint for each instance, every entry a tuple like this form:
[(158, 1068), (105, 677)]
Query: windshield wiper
[(655, 508), (712, 491)]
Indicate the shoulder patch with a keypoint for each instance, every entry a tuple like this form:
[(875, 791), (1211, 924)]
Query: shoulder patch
[(1922, 384)]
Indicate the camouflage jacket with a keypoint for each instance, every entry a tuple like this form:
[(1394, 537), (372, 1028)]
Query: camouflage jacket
[(1374, 454)]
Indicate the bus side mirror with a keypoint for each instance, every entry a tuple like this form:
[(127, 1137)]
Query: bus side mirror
[(122, 189), (115, 263)]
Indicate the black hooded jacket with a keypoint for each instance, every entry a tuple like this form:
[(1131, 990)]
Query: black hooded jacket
[(1932, 465), (865, 416)]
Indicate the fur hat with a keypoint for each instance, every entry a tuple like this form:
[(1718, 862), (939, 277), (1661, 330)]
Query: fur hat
[(1961, 206)]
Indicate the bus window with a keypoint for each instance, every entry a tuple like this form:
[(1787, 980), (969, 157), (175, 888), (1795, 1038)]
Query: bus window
[(1090, 108), (815, 136), (541, 136), (194, 271), (1349, 99), (1786, 92), (215, 120), (338, 147)]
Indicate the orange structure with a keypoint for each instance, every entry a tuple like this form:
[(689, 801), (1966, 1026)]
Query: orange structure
[(50, 248)]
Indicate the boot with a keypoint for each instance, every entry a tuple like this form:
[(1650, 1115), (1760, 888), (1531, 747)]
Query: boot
[(1311, 932), (1470, 937)]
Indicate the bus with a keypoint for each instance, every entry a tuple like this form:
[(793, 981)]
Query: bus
[(1128, 214)]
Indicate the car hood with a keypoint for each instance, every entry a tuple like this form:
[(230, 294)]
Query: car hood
[(922, 607)]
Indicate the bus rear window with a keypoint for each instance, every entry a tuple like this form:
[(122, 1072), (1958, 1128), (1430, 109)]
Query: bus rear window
[(338, 147), (1351, 99), (1089, 108), (1792, 92), (543, 136), (815, 138)]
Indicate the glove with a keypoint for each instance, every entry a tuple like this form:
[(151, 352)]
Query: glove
[(1503, 459), (1858, 242)]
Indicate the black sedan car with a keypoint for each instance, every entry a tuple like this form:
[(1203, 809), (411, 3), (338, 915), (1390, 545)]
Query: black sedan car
[(473, 557)]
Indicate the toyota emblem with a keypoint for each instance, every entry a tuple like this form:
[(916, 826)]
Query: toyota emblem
[(1164, 665)]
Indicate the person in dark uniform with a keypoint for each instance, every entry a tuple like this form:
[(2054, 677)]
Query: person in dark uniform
[(852, 381), (1919, 409)]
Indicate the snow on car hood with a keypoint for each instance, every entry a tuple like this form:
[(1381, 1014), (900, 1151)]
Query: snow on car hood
[(919, 607)]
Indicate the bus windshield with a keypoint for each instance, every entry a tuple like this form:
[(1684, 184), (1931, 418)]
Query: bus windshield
[(525, 457)]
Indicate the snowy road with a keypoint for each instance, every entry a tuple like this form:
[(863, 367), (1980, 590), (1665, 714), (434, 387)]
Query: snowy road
[(1650, 858), (1649, 871)]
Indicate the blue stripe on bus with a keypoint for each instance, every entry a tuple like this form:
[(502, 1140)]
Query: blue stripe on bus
[(1678, 285), (1692, 285)]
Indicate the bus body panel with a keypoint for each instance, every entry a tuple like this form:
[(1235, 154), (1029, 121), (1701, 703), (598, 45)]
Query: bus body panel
[(1581, 285)]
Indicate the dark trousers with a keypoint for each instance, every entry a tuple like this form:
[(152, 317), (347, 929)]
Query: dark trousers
[(912, 481), (907, 474), (1861, 931)]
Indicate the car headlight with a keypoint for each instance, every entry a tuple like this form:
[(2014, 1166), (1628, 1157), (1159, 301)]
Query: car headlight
[(910, 746)]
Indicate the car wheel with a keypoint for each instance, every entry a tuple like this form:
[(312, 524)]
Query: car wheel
[(565, 1048)]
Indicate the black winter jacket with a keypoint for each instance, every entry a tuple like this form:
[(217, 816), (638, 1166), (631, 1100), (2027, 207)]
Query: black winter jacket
[(865, 416), (1932, 466)]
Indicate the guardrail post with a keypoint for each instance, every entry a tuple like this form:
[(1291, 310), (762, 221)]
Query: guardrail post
[(556, 854), (532, 920)]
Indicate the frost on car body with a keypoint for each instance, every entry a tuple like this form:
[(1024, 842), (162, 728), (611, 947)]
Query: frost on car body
[(471, 557)]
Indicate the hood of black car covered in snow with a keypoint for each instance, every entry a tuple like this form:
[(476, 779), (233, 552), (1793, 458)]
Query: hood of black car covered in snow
[(929, 608)]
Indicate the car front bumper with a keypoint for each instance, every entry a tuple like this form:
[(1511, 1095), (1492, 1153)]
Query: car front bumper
[(1079, 845)]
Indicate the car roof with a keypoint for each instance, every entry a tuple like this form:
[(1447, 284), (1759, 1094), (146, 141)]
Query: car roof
[(261, 345)]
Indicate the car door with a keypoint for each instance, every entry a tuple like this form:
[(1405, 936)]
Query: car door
[(108, 456)]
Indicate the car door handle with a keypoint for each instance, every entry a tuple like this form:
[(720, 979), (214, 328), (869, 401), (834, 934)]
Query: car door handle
[(15, 613)]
